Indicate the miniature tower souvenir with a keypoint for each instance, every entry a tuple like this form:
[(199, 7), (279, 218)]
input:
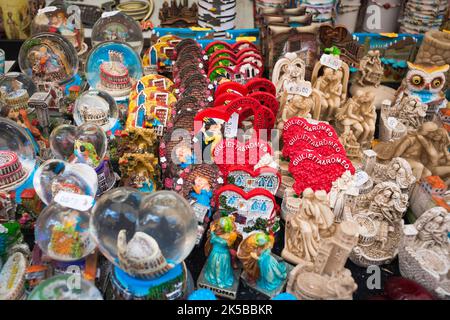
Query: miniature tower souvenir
[(327, 278), (15, 90), (262, 270), (424, 251), (306, 228), (147, 245), (220, 273)]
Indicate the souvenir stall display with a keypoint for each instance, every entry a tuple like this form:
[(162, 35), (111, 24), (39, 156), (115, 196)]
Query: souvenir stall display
[(200, 161)]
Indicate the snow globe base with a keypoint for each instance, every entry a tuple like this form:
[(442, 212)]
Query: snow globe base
[(170, 286), (229, 293), (253, 285)]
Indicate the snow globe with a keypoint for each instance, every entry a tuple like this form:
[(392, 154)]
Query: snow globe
[(113, 67), (17, 155), (86, 144), (66, 287), (146, 237), (97, 107), (64, 20), (55, 175), (16, 88), (62, 233), (117, 26), (48, 58)]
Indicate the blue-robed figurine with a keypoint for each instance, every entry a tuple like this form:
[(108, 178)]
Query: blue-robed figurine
[(219, 268), (202, 191), (259, 264)]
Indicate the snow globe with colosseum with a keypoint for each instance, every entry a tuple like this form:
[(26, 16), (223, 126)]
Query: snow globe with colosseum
[(97, 107), (146, 236), (113, 67)]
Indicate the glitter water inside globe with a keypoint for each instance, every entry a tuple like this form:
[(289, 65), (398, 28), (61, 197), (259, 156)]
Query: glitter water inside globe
[(96, 107), (17, 155), (63, 233), (118, 26), (164, 215), (66, 287)]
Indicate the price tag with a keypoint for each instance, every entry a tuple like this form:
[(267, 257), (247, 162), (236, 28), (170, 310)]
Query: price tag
[(249, 39), (231, 126), (392, 122), (47, 9), (74, 201), (303, 89), (361, 177), (163, 159), (331, 61), (109, 14)]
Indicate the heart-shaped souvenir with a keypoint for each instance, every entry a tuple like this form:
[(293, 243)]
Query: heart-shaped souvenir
[(247, 207), (312, 170), (54, 176), (266, 99), (253, 58), (330, 35), (217, 46), (225, 98), (243, 45), (222, 62), (297, 125), (84, 144), (248, 179), (231, 87), (261, 85), (306, 141), (232, 152)]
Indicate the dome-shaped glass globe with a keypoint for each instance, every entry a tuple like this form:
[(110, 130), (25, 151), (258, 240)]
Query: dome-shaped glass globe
[(63, 233), (16, 88), (130, 227)]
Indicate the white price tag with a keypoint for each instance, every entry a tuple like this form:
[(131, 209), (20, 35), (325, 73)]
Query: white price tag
[(392, 122), (47, 9), (231, 126), (361, 177), (303, 89), (109, 14), (331, 61), (163, 159), (74, 201)]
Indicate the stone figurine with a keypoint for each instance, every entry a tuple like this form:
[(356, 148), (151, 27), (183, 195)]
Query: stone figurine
[(370, 69)]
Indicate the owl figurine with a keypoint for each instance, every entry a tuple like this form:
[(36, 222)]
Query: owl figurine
[(426, 84)]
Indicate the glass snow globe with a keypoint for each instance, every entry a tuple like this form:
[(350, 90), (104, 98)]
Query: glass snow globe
[(147, 237), (113, 67), (54, 176), (63, 234), (117, 26), (84, 144), (64, 20), (97, 107), (65, 287), (48, 58), (16, 88), (17, 155)]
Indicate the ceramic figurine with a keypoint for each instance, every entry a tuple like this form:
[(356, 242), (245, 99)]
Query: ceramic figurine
[(298, 106), (333, 86), (342, 190), (379, 214), (305, 229), (327, 278), (435, 49), (426, 83), (370, 69), (289, 70), (218, 273), (351, 145), (262, 270), (424, 252), (358, 115), (424, 149), (141, 257), (139, 171), (397, 170)]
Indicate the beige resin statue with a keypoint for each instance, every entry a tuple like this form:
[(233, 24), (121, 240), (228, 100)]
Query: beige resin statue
[(289, 70), (358, 115), (425, 149), (424, 254), (397, 170), (305, 228), (342, 189), (379, 215), (298, 106), (332, 85), (327, 278), (351, 145), (370, 69)]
